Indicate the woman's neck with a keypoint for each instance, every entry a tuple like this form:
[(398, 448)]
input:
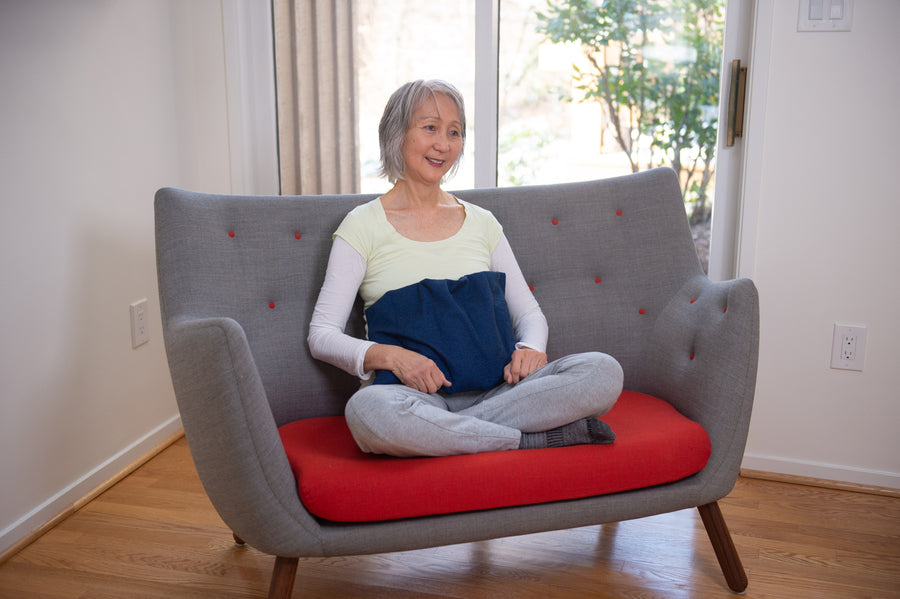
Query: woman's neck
[(405, 195), (419, 216)]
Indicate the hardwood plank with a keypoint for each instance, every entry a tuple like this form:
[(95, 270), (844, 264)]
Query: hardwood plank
[(99, 490), (808, 481), (154, 535)]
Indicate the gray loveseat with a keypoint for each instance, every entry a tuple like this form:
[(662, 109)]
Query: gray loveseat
[(614, 268)]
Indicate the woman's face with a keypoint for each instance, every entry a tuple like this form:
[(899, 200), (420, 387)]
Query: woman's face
[(433, 141)]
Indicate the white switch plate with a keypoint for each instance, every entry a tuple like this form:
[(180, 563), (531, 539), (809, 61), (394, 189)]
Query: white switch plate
[(811, 10), (848, 348)]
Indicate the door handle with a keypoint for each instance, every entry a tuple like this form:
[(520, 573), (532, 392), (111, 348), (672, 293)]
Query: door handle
[(736, 101)]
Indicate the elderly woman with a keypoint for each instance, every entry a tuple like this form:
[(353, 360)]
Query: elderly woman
[(455, 358)]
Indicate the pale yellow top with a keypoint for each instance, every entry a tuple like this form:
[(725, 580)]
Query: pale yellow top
[(394, 261)]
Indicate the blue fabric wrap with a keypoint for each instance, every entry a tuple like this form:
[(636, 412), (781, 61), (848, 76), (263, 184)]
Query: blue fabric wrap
[(462, 325)]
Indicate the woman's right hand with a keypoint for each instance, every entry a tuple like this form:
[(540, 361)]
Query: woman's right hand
[(412, 369)]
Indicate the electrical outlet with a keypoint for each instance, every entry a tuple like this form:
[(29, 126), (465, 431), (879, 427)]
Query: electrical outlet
[(140, 330), (848, 347)]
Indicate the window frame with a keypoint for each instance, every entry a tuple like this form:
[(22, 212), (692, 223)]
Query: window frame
[(487, 67)]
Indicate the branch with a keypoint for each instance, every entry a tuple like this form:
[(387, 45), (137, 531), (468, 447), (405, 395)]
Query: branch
[(610, 104)]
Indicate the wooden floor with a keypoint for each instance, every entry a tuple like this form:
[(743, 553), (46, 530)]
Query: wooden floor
[(155, 535)]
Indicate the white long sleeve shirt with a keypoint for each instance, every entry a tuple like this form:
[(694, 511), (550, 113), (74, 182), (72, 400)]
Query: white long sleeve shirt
[(348, 269)]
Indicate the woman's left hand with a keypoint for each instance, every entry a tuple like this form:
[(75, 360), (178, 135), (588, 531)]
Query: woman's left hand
[(524, 361)]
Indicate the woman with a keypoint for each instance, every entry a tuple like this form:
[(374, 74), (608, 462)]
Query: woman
[(456, 341)]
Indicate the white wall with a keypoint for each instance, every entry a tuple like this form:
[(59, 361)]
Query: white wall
[(102, 103), (826, 246)]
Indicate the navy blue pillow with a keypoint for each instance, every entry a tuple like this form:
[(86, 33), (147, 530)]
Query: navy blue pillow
[(463, 326)]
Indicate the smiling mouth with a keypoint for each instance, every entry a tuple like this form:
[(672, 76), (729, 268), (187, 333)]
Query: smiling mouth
[(435, 162)]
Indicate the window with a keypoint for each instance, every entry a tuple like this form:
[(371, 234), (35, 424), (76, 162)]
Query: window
[(584, 90), (400, 41), (589, 90)]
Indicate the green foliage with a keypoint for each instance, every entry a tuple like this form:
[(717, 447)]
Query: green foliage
[(654, 66), (521, 149)]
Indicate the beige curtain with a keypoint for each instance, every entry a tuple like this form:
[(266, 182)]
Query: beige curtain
[(316, 89)]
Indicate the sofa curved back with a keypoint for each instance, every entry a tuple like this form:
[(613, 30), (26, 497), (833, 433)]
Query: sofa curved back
[(605, 259)]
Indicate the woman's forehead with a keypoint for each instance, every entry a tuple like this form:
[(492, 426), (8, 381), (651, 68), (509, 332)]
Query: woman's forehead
[(429, 107)]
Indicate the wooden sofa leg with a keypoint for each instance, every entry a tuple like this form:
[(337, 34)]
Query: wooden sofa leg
[(238, 540), (729, 560), (283, 576)]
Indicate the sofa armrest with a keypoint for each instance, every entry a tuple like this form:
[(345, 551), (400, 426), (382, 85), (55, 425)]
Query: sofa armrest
[(233, 437), (701, 356)]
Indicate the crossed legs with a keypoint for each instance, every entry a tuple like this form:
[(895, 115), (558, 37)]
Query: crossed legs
[(400, 421)]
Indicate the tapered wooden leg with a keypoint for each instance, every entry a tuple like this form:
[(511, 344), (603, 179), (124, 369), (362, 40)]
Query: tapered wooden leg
[(238, 540), (283, 576), (729, 560)]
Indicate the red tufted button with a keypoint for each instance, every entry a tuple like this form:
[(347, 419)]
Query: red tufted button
[(297, 235), (598, 280), (693, 300), (272, 305), (618, 213), (641, 311), (531, 287), (692, 356), (555, 222), (231, 233), (725, 310)]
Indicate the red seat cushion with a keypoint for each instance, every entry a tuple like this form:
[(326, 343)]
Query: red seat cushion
[(654, 444)]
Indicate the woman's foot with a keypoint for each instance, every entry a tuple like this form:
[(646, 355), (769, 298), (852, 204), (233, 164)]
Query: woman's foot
[(587, 431)]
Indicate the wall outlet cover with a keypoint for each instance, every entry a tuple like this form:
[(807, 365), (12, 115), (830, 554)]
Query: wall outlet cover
[(848, 346)]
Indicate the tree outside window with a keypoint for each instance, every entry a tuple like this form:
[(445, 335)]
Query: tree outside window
[(653, 65)]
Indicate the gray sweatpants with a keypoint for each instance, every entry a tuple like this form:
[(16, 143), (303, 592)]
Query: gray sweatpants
[(398, 420)]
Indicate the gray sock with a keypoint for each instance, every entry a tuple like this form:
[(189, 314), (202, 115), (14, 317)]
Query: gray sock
[(587, 431)]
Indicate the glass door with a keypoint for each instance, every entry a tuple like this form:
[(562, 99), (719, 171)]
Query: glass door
[(568, 90), (590, 89), (399, 41)]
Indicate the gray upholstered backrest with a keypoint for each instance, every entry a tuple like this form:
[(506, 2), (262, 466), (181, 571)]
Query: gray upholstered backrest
[(240, 257), (604, 258)]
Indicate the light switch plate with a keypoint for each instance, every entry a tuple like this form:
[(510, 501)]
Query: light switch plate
[(816, 15)]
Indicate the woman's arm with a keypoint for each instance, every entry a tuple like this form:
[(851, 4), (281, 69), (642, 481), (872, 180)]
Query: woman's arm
[(327, 340), (528, 320)]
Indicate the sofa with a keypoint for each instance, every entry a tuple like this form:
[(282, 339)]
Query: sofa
[(613, 265)]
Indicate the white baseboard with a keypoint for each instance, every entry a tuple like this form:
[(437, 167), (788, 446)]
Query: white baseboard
[(65, 498), (833, 472)]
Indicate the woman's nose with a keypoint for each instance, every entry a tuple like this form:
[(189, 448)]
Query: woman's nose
[(442, 143)]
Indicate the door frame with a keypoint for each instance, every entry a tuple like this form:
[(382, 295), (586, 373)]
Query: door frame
[(748, 37)]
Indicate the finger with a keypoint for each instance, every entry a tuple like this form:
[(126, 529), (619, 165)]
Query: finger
[(521, 367), (436, 379), (513, 371), (434, 384), (536, 364), (530, 366), (444, 381)]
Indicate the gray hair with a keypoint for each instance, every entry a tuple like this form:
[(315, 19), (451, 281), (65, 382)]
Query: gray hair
[(395, 122)]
